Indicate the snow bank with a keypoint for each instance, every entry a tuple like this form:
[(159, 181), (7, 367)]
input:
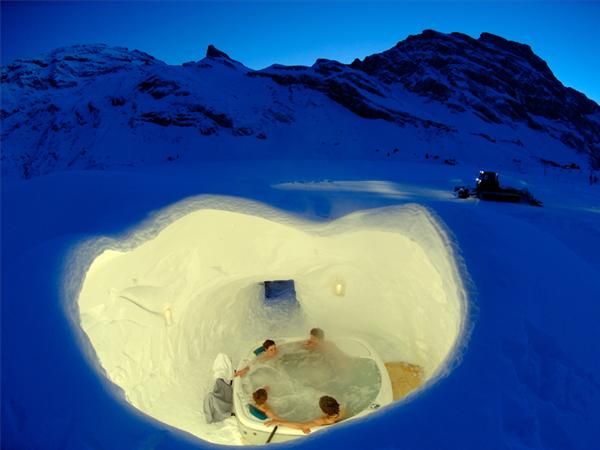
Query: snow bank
[(159, 306)]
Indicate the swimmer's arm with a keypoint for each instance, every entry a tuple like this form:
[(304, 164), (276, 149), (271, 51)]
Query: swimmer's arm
[(321, 421), (244, 371), (296, 425), (269, 412), (241, 372), (304, 426)]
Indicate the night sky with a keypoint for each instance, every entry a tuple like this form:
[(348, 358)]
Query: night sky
[(566, 34)]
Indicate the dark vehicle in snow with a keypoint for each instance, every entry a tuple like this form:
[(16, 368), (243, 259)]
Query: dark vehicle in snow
[(487, 187)]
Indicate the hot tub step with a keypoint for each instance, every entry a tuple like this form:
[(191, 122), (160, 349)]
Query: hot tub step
[(405, 378)]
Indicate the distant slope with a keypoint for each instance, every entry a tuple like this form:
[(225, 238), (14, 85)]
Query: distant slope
[(444, 96)]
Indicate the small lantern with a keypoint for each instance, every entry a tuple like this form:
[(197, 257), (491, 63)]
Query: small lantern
[(168, 315), (339, 288)]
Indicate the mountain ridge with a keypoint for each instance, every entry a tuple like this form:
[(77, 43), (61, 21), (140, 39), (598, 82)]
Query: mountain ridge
[(479, 100)]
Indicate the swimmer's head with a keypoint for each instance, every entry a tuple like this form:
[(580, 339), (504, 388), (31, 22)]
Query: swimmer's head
[(316, 336), (260, 396), (329, 405), (270, 347)]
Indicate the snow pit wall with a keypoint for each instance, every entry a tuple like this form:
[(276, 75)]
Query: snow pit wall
[(159, 306)]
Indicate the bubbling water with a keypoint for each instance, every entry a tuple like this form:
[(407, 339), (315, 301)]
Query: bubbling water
[(297, 378)]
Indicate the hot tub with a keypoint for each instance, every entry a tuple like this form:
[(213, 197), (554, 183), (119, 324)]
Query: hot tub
[(297, 378)]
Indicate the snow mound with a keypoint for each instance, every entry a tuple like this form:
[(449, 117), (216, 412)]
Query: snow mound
[(159, 307)]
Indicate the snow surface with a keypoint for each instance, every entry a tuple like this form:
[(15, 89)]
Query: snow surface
[(526, 373), (158, 314)]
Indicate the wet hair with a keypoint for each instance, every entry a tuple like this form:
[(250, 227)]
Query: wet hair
[(268, 343), (318, 333), (329, 405), (260, 396)]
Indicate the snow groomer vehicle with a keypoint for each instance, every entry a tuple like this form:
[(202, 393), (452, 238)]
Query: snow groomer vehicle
[(487, 187)]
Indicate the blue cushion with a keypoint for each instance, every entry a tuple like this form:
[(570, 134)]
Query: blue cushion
[(257, 412)]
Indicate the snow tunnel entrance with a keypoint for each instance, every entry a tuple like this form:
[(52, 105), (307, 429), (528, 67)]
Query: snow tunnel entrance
[(281, 294), (157, 311)]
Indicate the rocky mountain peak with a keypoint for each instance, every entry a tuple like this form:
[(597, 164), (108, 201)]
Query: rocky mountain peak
[(214, 52), (215, 57), (519, 50), (65, 67), (500, 80)]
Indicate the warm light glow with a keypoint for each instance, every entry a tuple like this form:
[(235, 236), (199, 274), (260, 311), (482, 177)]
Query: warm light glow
[(158, 312), (168, 315), (339, 288)]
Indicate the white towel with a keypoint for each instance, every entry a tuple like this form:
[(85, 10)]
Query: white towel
[(222, 368)]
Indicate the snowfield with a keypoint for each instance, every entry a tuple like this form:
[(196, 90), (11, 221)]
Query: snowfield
[(517, 368)]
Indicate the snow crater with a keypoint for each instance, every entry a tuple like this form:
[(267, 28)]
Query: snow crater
[(158, 306)]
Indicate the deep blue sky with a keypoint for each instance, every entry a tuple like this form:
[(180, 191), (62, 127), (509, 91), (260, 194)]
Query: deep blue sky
[(566, 34)]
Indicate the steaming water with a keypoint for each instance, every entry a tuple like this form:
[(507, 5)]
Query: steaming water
[(297, 378)]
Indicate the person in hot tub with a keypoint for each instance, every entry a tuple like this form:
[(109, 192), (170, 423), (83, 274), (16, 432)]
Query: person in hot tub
[(330, 408), (261, 410), (266, 351), (316, 341)]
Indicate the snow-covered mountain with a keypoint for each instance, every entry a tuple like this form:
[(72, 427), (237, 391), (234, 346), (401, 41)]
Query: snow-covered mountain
[(444, 97)]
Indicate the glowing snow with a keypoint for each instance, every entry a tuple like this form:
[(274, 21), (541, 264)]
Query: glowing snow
[(158, 314)]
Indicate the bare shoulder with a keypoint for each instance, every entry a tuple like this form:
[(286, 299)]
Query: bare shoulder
[(328, 420)]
